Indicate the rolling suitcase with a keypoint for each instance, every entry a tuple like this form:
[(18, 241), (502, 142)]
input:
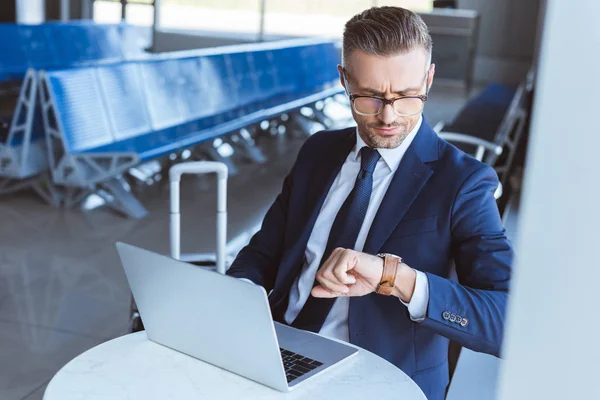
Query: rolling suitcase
[(219, 258)]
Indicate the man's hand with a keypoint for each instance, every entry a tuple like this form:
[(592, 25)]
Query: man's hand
[(352, 273)]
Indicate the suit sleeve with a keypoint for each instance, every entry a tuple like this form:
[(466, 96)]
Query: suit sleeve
[(472, 310)]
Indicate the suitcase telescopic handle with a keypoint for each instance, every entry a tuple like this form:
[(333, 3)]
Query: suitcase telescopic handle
[(199, 168)]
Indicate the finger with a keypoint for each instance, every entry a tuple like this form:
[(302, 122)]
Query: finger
[(320, 291), (333, 287), (326, 270), (345, 263), (326, 277)]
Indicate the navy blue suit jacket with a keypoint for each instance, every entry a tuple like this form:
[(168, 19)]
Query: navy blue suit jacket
[(439, 209)]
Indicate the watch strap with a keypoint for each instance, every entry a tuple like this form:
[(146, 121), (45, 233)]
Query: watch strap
[(388, 277)]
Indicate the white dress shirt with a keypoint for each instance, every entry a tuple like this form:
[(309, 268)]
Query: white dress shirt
[(336, 323)]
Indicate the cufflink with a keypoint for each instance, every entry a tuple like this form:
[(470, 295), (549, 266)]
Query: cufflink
[(446, 315)]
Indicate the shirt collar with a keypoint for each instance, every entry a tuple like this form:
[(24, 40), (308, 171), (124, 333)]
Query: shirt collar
[(392, 157)]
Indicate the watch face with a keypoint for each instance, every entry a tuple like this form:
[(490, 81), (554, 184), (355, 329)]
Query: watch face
[(382, 255)]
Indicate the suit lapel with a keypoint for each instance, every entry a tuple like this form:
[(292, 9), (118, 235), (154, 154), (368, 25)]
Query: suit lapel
[(323, 176), (412, 174)]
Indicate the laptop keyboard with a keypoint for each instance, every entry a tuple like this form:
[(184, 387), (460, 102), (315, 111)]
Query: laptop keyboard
[(297, 365)]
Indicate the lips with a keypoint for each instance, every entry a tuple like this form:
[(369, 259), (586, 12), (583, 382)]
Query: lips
[(386, 131)]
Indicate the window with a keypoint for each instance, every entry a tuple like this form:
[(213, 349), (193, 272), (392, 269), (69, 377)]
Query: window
[(137, 12), (211, 15), (323, 18), (107, 12), (282, 17)]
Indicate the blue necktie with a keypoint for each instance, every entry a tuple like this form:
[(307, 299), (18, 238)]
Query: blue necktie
[(344, 232)]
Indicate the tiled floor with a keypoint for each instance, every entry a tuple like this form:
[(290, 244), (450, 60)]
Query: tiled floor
[(62, 289)]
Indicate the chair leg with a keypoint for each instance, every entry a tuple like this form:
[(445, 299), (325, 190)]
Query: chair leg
[(320, 117), (118, 196), (244, 143), (10, 185), (300, 125), (47, 190), (42, 185), (214, 155)]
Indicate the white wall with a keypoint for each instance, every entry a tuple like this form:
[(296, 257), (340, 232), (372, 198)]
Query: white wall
[(552, 343), (30, 11)]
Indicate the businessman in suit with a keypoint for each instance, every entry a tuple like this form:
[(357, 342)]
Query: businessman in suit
[(360, 242)]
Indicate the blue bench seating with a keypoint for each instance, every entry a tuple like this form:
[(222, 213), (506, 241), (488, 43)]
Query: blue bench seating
[(491, 124), (26, 49), (59, 45), (103, 120)]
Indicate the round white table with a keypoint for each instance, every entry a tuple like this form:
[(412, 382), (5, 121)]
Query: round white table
[(133, 367)]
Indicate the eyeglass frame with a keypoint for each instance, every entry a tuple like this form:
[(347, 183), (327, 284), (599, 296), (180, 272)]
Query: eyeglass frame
[(352, 97)]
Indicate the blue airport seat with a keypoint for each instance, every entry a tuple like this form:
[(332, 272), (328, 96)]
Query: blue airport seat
[(164, 95), (75, 44), (39, 46), (26, 49), (482, 115), (83, 116), (124, 99), (490, 126), (199, 87), (13, 57), (143, 109), (215, 75)]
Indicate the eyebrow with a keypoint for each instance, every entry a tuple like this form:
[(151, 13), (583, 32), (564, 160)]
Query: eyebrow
[(403, 92)]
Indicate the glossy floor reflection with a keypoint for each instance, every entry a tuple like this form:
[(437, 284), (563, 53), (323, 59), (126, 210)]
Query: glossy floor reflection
[(62, 288)]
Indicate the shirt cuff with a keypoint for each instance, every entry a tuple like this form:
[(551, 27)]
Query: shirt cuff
[(417, 307), (249, 281)]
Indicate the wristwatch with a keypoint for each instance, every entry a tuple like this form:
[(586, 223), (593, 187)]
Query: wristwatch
[(390, 269)]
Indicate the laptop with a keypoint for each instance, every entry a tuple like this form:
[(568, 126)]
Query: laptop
[(223, 321)]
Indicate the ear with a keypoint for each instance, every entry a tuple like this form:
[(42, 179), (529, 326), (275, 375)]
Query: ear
[(342, 81), (431, 74)]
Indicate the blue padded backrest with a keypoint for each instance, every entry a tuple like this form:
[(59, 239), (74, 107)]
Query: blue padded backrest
[(109, 41), (319, 63), (200, 87), (75, 43), (215, 78), (497, 94), (308, 56), (289, 69), (12, 54), (125, 99), (61, 45), (39, 48), (165, 105), (265, 74), (243, 77), (132, 43), (333, 57), (80, 107), (483, 114)]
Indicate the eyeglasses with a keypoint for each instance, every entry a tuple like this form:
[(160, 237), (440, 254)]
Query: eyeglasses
[(405, 106)]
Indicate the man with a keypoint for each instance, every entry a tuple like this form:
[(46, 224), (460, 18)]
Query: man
[(357, 199)]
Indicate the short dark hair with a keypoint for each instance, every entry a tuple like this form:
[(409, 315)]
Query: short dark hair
[(385, 31)]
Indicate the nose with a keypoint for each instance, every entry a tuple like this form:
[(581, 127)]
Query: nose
[(387, 116)]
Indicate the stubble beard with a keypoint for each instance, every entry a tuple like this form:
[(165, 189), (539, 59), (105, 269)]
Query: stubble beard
[(377, 141)]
